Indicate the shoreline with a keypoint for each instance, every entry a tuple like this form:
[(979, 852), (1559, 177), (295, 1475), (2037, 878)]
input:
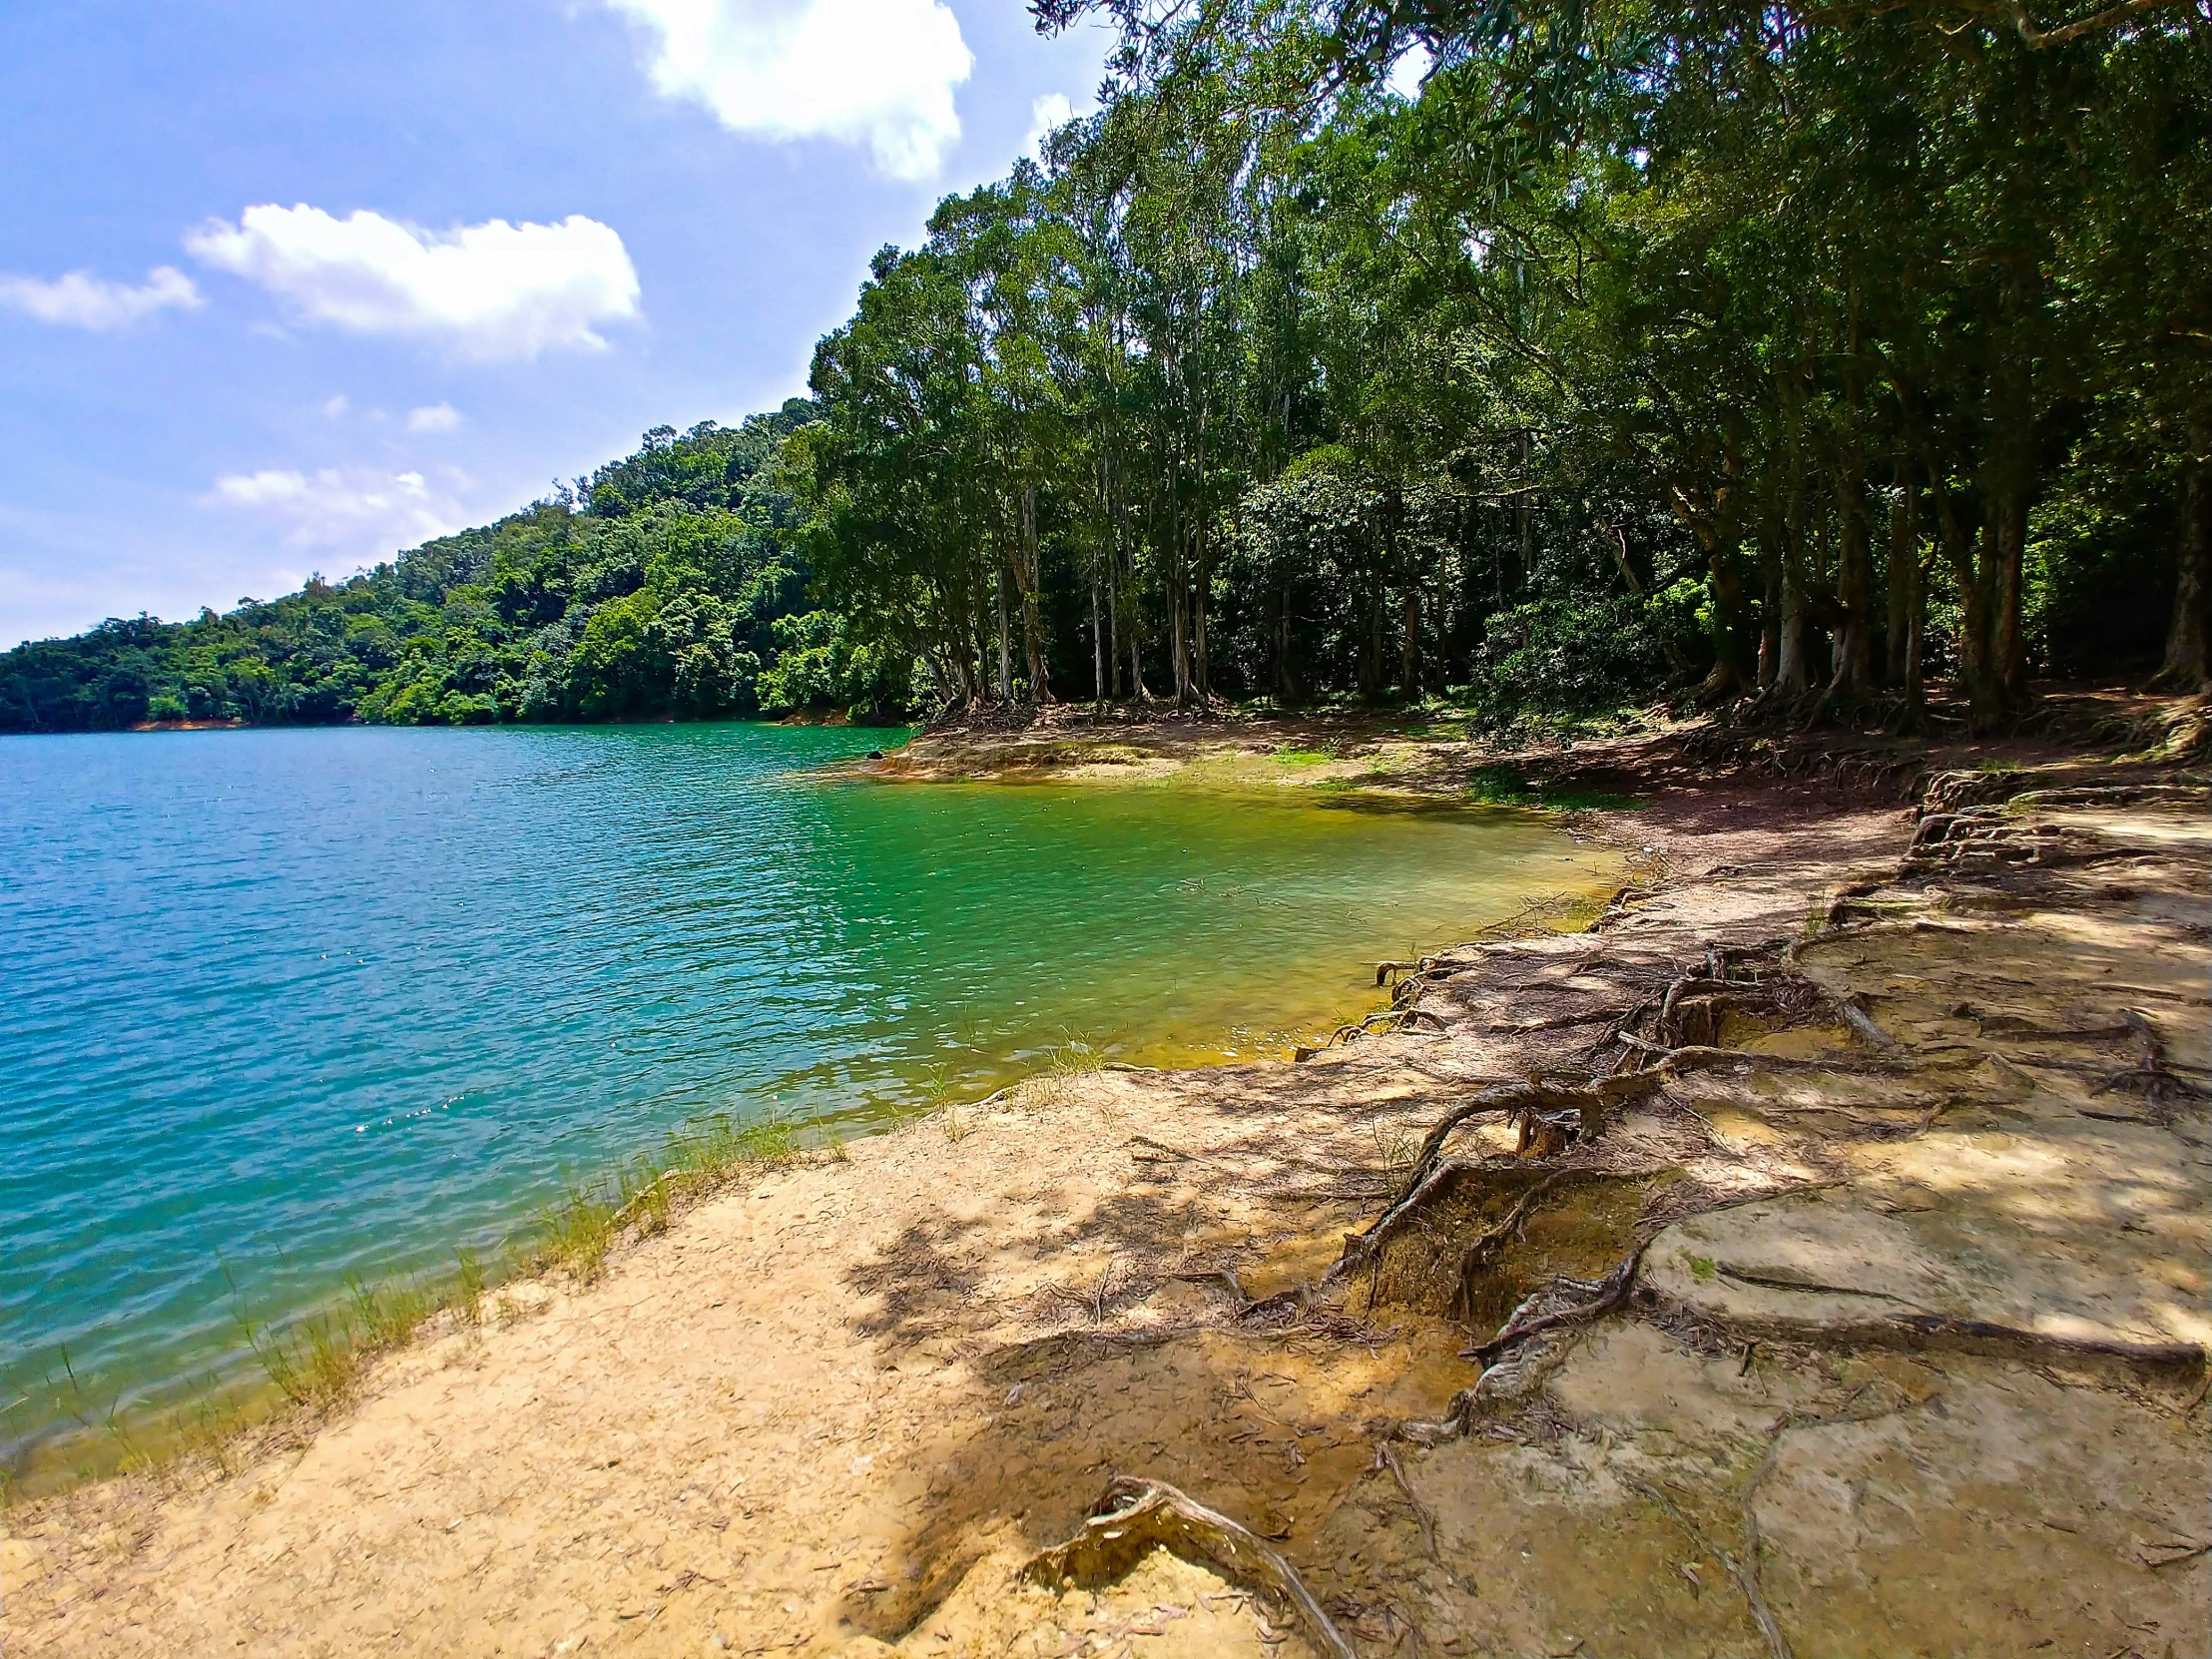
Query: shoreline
[(913, 1370), (302, 1363)]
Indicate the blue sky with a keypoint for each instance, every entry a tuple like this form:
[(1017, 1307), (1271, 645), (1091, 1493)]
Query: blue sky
[(288, 287)]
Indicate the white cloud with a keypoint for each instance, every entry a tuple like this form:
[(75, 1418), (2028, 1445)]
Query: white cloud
[(486, 290), (1046, 115), (82, 300), (879, 71), (335, 406), (434, 417), (355, 510)]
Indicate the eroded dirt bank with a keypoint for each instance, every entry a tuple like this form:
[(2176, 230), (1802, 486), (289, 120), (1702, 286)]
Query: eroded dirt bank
[(1808, 1258)]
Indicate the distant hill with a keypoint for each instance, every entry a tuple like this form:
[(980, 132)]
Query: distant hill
[(670, 587)]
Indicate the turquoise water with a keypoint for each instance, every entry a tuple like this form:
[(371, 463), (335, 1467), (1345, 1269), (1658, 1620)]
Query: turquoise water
[(285, 1006)]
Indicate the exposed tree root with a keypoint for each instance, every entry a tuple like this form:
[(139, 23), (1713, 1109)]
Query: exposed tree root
[(1606, 1295), (1424, 1517), (1595, 1099), (1744, 1569), (1560, 1022), (1921, 1331), (1431, 1179), (1135, 1516), (1983, 1337), (1746, 1580), (1703, 1057), (1226, 1274), (1396, 1019)]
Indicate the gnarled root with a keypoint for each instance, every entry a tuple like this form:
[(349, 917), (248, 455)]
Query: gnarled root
[(1134, 1516), (1533, 1318), (1432, 1177), (1918, 1330)]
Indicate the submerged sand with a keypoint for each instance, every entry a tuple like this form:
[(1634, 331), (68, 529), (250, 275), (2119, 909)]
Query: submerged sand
[(1910, 1357)]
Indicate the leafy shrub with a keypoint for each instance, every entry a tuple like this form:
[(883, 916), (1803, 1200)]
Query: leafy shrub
[(1568, 656), (819, 667)]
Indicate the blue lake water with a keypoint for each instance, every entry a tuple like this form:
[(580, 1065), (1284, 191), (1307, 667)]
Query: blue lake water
[(285, 1006)]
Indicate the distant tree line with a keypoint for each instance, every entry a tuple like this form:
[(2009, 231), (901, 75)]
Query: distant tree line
[(1793, 354), (662, 586)]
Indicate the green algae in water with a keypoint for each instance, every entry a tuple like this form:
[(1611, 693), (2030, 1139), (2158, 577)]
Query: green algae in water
[(293, 1006)]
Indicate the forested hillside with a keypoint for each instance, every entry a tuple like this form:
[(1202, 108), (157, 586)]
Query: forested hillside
[(1803, 354), (664, 585)]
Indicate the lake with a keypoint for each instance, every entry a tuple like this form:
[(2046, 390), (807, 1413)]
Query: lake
[(289, 1006)]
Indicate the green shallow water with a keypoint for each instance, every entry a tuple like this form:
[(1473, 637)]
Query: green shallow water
[(294, 1005)]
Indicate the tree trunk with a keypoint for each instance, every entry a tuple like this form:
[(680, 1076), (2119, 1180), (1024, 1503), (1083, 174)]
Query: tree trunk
[(2188, 662), (1408, 644), (1113, 611), (1179, 659), (1005, 644), (1618, 541), (1728, 673), (1905, 563), (2008, 480), (1714, 527), (1028, 572), (1524, 518), (1032, 640), (1853, 666), (1976, 596), (2007, 636), (1370, 652), (1098, 649), (1409, 653), (1793, 667), (1770, 609), (1907, 595), (1201, 676), (982, 647)]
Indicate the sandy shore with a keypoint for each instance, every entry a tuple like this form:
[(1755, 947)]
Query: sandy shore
[(1861, 1308)]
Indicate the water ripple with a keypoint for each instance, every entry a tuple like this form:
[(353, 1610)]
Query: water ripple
[(292, 1005)]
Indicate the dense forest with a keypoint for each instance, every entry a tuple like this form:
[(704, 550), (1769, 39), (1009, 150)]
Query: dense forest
[(1797, 353), (1543, 354)]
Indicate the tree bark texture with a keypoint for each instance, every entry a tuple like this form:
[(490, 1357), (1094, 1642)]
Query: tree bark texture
[(2188, 663)]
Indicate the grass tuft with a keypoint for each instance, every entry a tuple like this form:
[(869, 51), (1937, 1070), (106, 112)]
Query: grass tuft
[(468, 1286), (576, 1233), (1398, 1147), (1502, 786)]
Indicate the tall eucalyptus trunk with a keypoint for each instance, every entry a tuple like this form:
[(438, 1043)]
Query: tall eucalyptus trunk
[(1400, 557), (1851, 673), (1005, 642), (1769, 607), (1793, 674), (1907, 594), (1854, 665), (2188, 663), (1028, 571)]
